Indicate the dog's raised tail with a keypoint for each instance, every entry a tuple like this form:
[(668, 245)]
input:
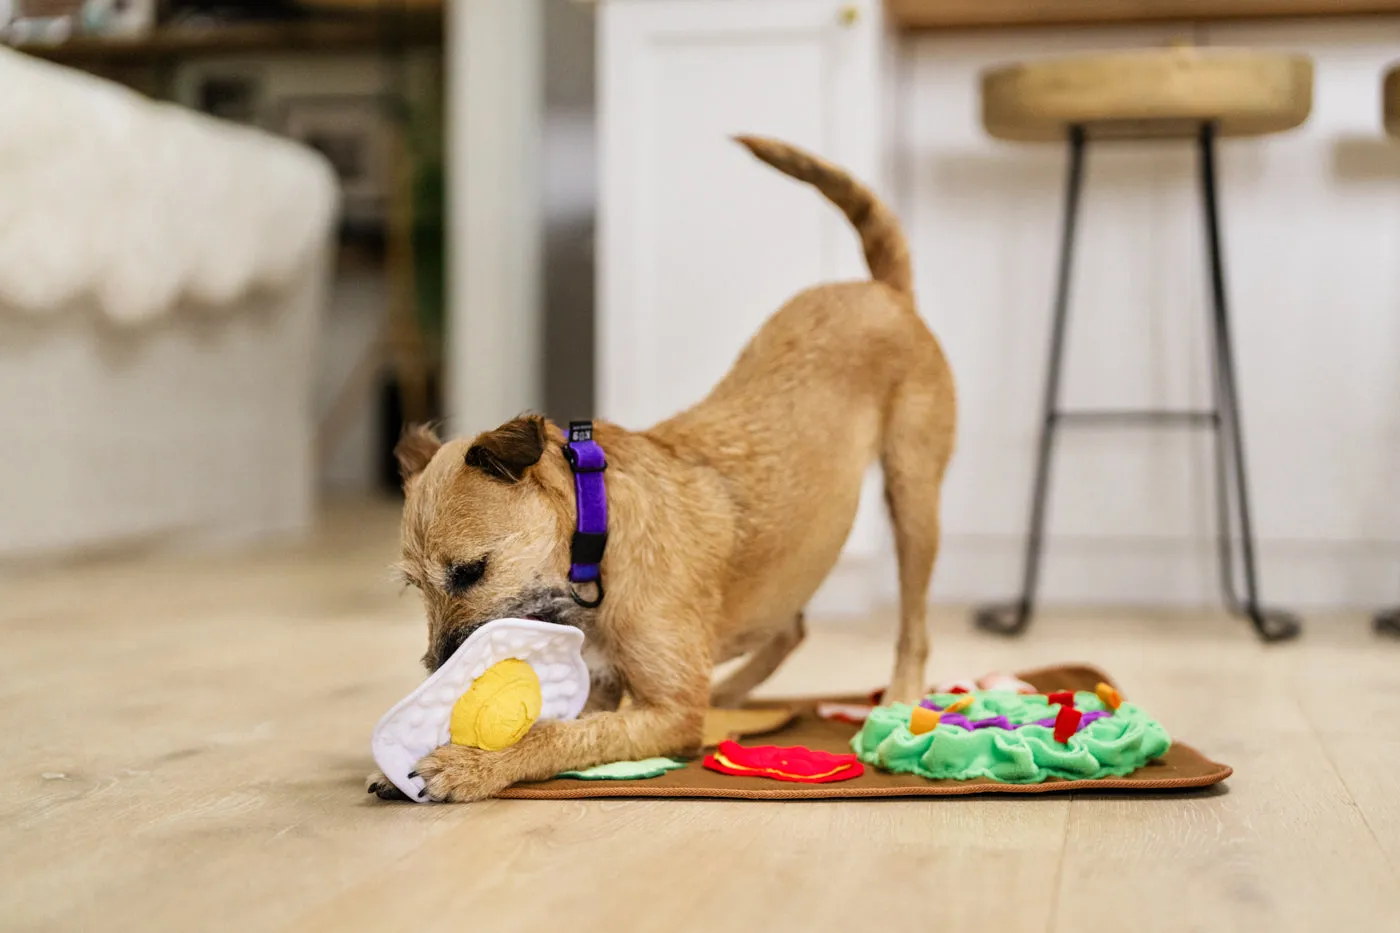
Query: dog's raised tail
[(886, 252)]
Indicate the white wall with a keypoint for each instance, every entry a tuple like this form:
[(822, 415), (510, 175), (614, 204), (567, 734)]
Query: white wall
[(523, 177), (569, 162), (495, 124)]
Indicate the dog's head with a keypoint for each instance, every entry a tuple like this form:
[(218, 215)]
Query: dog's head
[(486, 529)]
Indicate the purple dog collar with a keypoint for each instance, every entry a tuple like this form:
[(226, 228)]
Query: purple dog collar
[(587, 461)]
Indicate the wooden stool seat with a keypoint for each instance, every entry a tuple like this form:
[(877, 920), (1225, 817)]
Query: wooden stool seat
[(1390, 101), (1149, 93)]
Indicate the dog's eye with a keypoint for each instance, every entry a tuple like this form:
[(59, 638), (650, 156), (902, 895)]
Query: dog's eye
[(462, 577)]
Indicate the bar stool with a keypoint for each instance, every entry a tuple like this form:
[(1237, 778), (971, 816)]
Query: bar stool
[(1387, 622), (1177, 93)]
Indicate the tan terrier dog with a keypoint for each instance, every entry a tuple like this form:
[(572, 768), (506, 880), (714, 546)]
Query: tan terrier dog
[(723, 520)]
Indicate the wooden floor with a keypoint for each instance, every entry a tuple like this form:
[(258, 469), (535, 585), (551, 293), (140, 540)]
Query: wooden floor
[(183, 743)]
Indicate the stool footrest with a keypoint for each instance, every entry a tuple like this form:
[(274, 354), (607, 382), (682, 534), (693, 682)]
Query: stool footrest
[(1145, 417)]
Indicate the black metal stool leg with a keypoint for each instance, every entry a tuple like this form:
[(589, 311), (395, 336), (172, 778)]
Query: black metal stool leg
[(1012, 618), (1270, 625)]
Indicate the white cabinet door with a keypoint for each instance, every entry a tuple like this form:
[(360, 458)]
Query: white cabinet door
[(698, 242)]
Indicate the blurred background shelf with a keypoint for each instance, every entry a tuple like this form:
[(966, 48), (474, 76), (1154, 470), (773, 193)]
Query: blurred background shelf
[(418, 27)]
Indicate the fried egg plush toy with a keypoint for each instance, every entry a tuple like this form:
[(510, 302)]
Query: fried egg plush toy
[(506, 676)]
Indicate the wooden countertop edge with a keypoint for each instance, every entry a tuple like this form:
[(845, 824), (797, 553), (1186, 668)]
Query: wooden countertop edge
[(981, 14)]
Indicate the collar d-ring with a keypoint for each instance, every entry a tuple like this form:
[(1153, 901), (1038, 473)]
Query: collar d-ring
[(581, 600)]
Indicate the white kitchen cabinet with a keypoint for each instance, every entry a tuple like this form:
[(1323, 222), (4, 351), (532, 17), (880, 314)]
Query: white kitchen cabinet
[(699, 242)]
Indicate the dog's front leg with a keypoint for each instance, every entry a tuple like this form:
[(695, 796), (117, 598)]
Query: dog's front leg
[(460, 774), (667, 671)]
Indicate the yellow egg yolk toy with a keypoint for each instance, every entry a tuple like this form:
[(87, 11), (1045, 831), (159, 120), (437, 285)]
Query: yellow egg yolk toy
[(499, 708), (507, 675)]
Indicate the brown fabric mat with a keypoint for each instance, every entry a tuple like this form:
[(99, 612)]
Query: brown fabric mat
[(1181, 767), (721, 724)]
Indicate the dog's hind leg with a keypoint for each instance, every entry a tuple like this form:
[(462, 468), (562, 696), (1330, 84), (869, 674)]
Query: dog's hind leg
[(734, 689), (918, 441)]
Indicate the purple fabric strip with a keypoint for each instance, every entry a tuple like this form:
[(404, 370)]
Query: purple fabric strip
[(590, 493), (1001, 722)]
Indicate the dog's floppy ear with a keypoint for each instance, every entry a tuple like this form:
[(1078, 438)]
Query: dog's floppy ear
[(507, 452), (415, 449)]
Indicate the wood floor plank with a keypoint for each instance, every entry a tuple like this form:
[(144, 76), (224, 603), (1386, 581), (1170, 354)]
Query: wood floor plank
[(1349, 689), (697, 865), (1282, 847), (184, 740)]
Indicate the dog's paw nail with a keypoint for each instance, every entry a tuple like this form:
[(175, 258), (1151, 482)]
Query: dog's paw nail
[(422, 793), (413, 774)]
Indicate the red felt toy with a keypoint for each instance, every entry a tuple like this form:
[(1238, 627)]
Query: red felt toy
[(1061, 697), (783, 763), (1066, 723)]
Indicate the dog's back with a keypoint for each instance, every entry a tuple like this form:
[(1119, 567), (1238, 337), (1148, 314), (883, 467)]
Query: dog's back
[(841, 375)]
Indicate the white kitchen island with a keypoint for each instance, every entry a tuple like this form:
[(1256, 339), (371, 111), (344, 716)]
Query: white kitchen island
[(698, 244)]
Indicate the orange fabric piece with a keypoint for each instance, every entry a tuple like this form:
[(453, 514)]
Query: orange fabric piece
[(922, 719), (1110, 697), (960, 704)]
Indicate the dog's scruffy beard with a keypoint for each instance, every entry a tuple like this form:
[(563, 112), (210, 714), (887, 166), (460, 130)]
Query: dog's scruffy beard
[(547, 604)]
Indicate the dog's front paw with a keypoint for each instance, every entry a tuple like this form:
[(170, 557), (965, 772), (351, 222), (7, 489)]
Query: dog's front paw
[(458, 774), (382, 787)]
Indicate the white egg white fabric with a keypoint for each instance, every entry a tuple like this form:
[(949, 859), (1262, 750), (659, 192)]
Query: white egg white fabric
[(420, 721)]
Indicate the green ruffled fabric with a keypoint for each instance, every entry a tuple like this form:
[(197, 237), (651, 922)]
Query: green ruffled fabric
[(625, 770), (1109, 747)]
